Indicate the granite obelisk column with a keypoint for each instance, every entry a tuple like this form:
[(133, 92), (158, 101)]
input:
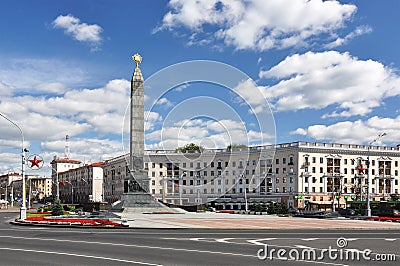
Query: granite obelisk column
[(140, 181)]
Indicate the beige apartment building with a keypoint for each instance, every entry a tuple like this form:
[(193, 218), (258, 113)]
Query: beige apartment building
[(299, 173), (77, 183)]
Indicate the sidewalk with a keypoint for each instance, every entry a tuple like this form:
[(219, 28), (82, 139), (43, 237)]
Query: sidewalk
[(11, 209)]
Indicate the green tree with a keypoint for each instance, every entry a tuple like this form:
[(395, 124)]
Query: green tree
[(190, 148), (236, 146), (57, 208)]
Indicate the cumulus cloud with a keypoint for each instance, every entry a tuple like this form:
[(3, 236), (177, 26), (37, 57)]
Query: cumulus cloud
[(207, 133), (317, 80), (79, 31), (358, 131), (255, 24)]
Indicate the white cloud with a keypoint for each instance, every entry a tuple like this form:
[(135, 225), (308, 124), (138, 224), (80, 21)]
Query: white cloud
[(39, 75), (79, 31), (52, 87), (317, 80), (209, 134), (341, 41), (164, 102), (255, 24), (355, 132)]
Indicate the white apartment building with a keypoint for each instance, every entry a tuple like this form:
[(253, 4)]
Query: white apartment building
[(298, 173)]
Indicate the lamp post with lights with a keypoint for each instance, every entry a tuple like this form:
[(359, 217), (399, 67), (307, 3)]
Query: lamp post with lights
[(368, 179), (23, 150)]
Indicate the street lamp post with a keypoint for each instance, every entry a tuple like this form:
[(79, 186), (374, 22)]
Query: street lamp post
[(23, 150), (368, 179), (72, 192), (56, 183), (180, 188)]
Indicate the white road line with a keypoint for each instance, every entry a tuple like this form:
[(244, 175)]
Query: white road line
[(390, 239), (224, 240), (257, 241), (132, 245), (352, 239), (309, 239), (79, 255)]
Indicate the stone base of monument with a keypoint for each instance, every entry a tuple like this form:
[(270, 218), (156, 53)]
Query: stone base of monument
[(140, 202)]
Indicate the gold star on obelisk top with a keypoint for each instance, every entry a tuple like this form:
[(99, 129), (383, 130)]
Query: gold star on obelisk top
[(137, 58)]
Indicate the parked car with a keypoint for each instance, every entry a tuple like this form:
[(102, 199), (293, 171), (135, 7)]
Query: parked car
[(389, 213), (346, 212)]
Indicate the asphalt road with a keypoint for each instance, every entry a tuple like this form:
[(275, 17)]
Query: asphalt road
[(20, 245)]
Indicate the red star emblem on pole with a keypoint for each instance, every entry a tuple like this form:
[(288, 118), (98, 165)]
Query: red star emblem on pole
[(35, 162)]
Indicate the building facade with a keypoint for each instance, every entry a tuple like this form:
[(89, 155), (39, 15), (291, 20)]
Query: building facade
[(82, 184), (299, 173), (10, 187)]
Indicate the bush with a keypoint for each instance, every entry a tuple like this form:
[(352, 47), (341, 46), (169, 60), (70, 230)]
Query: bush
[(57, 208)]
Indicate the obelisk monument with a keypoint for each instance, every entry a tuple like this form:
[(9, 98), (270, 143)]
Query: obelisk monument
[(136, 197), (140, 181)]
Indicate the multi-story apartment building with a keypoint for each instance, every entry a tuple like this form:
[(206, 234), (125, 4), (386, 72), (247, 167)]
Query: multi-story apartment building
[(82, 184), (10, 186), (38, 187), (298, 173)]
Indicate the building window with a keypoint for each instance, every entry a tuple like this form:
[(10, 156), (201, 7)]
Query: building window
[(277, 180), (205, 173), (153, 174), (277, 171), (184, 165), (345, 161), (321, 159), (314, 159), (283, 161), (313, 169), (321, 170), (212, 173), (153, 165), (233, 164), (212, 164), (277, 161)]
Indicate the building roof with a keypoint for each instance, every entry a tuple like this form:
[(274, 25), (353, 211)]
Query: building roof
[(65, 160)]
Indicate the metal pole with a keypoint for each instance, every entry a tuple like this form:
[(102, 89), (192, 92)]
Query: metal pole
[(23, 206), (368, 179), (368, 200)]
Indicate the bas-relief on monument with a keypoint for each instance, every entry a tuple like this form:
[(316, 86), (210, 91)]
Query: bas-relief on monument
[(136, 197)]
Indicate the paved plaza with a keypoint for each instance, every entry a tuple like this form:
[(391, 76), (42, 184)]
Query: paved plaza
[(241, 221)]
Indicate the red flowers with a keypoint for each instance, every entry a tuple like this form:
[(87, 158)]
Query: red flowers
[(72, 221)]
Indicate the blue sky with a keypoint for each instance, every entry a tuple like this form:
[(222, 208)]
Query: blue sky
[(305, 70)]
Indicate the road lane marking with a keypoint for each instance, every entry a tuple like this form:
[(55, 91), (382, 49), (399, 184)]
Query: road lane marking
[(79, 255), (309, 239), (390, 239), (257, 241), (131, 245), (224, 240)]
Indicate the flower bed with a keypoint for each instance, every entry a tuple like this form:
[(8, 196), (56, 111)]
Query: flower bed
[(71, 221)]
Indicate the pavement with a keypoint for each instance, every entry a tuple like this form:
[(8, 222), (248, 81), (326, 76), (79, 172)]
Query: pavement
[(214, 220)]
